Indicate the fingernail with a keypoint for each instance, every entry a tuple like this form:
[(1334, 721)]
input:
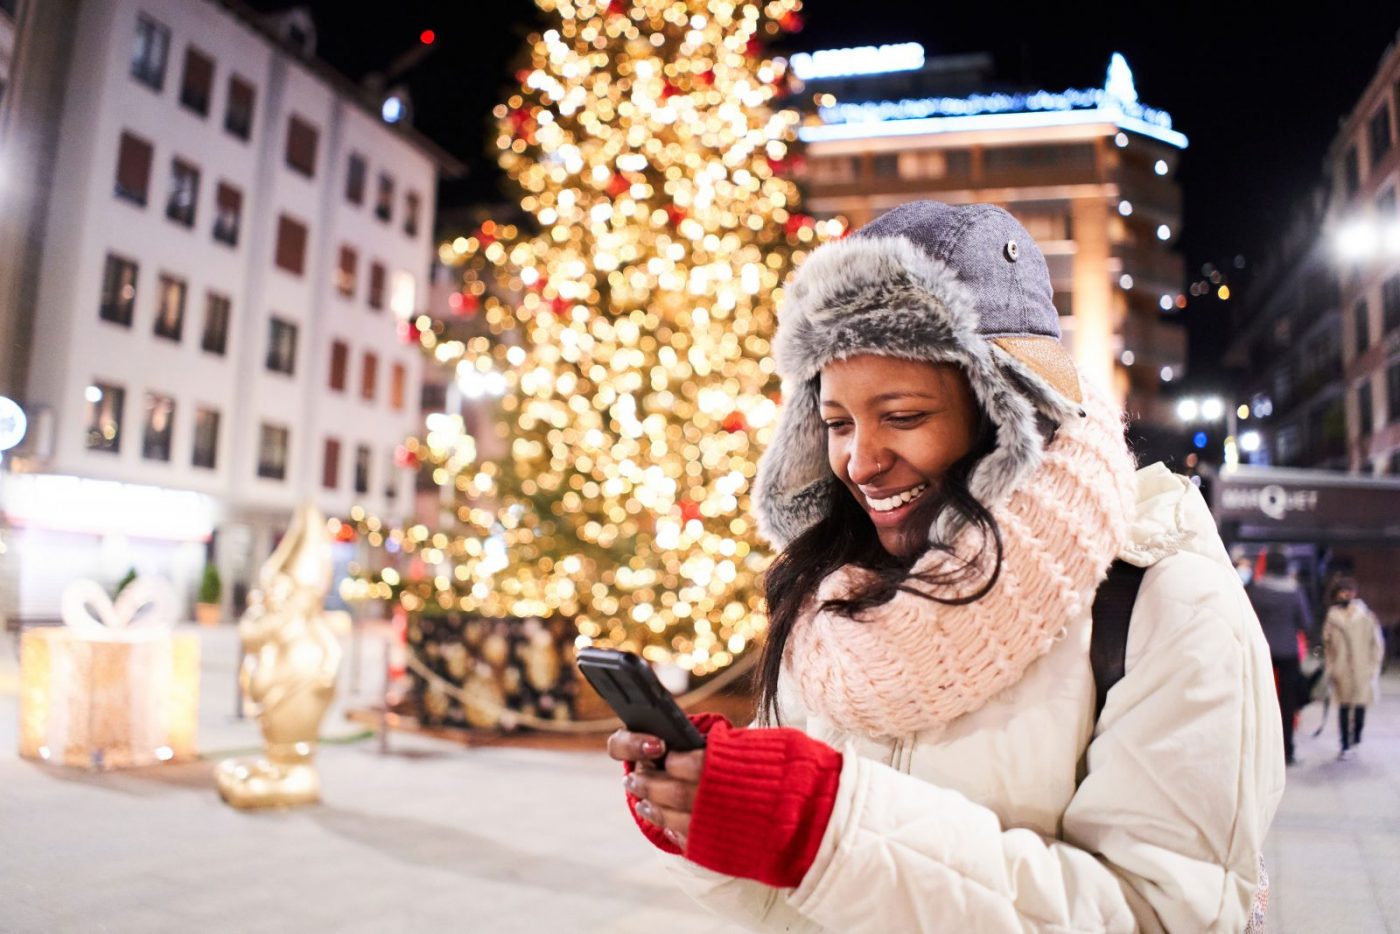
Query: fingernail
[(645, 812), (674, 837), (630, 784), (653, 749)]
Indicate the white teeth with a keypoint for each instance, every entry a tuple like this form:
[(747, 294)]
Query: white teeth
[(894, 502)]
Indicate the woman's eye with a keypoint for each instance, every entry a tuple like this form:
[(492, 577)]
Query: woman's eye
[(836, 424), (906, 420)]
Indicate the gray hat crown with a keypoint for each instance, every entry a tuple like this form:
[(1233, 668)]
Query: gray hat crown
[(994, 256)]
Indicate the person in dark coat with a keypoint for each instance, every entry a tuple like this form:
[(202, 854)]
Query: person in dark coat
[(1285, 616)]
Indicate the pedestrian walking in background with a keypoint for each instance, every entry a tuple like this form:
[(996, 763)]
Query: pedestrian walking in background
[(935, 750), (1284, 613), (1351, 637)]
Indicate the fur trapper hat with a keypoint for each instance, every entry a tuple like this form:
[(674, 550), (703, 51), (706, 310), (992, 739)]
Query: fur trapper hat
[(962, 284)]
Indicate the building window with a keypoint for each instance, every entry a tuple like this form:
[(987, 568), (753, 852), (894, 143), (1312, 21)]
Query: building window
[(1351, 169), (345, 271), (377, 275), (198, 82), (410, 214), (133, 169), (216, 315), (281, 346), (384, 199), (390, 474), (160, 418), (396, 386), (330, 464), (1380, 135), (1390, 303), (1392, 392), (1361, 318), (291, 245), (238, 112), (272, 452), (340, 362), (104, 417), (118, 291), (301, 146), (228, 213), (369, 376), (355, 173), (362, 457), (170, 308), (403, 294), (149, 53), (1364, 421), (206, 438), (885, 165), (184, 192)]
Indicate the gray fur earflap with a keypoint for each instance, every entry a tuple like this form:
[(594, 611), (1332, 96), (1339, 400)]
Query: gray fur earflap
[(888, 295)]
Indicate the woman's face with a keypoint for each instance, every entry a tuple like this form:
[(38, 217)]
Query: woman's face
[(893, 428)]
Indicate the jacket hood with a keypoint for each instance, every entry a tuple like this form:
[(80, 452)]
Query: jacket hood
[(1172, 517)]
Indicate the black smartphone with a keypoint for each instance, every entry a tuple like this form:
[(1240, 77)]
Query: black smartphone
[(632, 689)]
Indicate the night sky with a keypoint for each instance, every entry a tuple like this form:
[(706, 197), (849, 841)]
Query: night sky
[(1259, 91)]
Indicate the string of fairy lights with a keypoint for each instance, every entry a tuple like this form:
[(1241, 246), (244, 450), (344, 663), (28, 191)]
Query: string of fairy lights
[(626, 334)]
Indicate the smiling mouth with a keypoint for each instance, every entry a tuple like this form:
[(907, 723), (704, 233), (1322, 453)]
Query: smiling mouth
[(894, 503)]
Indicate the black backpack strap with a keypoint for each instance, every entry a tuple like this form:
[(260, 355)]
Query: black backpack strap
[(1108, 645)]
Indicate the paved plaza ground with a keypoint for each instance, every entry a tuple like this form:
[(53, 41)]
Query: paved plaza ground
[(434, 836)]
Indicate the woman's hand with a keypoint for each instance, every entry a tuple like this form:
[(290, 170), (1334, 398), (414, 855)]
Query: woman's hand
[(665, 796)]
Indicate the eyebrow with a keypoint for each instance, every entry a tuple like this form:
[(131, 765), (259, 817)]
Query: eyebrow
[(886, 397)]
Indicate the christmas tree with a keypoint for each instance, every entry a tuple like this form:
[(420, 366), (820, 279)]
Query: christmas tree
[(627, 334)]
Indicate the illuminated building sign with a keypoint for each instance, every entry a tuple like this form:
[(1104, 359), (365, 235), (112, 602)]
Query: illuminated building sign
[(864, 60), (1116, 103)]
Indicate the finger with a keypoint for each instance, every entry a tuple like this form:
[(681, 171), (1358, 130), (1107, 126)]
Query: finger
[(679, 839), (686, 766), (662, 790), (665, 818), (626, 746)]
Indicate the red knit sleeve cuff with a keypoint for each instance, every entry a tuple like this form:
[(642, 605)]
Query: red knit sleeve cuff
[(764, 801), (704, 722)]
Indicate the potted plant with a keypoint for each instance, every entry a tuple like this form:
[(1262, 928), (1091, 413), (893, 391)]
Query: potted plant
[(208, 608)]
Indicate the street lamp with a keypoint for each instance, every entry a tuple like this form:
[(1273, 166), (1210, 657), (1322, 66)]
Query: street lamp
[(1190, 410)]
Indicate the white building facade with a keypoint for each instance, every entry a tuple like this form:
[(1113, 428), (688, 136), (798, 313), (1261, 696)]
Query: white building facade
[(234, 244)]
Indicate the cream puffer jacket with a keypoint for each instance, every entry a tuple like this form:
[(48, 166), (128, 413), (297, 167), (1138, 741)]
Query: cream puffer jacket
[(1025, 815)]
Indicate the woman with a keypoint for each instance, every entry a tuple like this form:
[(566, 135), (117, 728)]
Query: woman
[(946, 500), (1351, 639)]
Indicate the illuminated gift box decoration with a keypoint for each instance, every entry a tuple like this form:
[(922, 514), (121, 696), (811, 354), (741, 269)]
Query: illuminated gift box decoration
[(114, 687)]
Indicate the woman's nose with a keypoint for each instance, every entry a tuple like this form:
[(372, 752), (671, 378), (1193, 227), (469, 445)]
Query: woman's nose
[(867, 461)]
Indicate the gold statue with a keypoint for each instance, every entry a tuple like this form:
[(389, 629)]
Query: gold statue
[(290, 659)]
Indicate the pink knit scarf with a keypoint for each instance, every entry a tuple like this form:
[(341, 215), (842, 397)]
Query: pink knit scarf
[(913, 664)]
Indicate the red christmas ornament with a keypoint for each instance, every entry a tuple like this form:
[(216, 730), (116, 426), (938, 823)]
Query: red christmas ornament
[(408, 332), (617, 8), (405, 458), (674, 214), (706, 78), (618, 185), (560, 306), (735, 422), (791, 22), (346, 533), (796, 222), (754, 49), (669, 90), (689, 510), (464, 304), (522, 76)]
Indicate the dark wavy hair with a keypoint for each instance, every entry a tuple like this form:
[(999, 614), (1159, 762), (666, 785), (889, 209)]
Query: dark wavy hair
[(846, 536)]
